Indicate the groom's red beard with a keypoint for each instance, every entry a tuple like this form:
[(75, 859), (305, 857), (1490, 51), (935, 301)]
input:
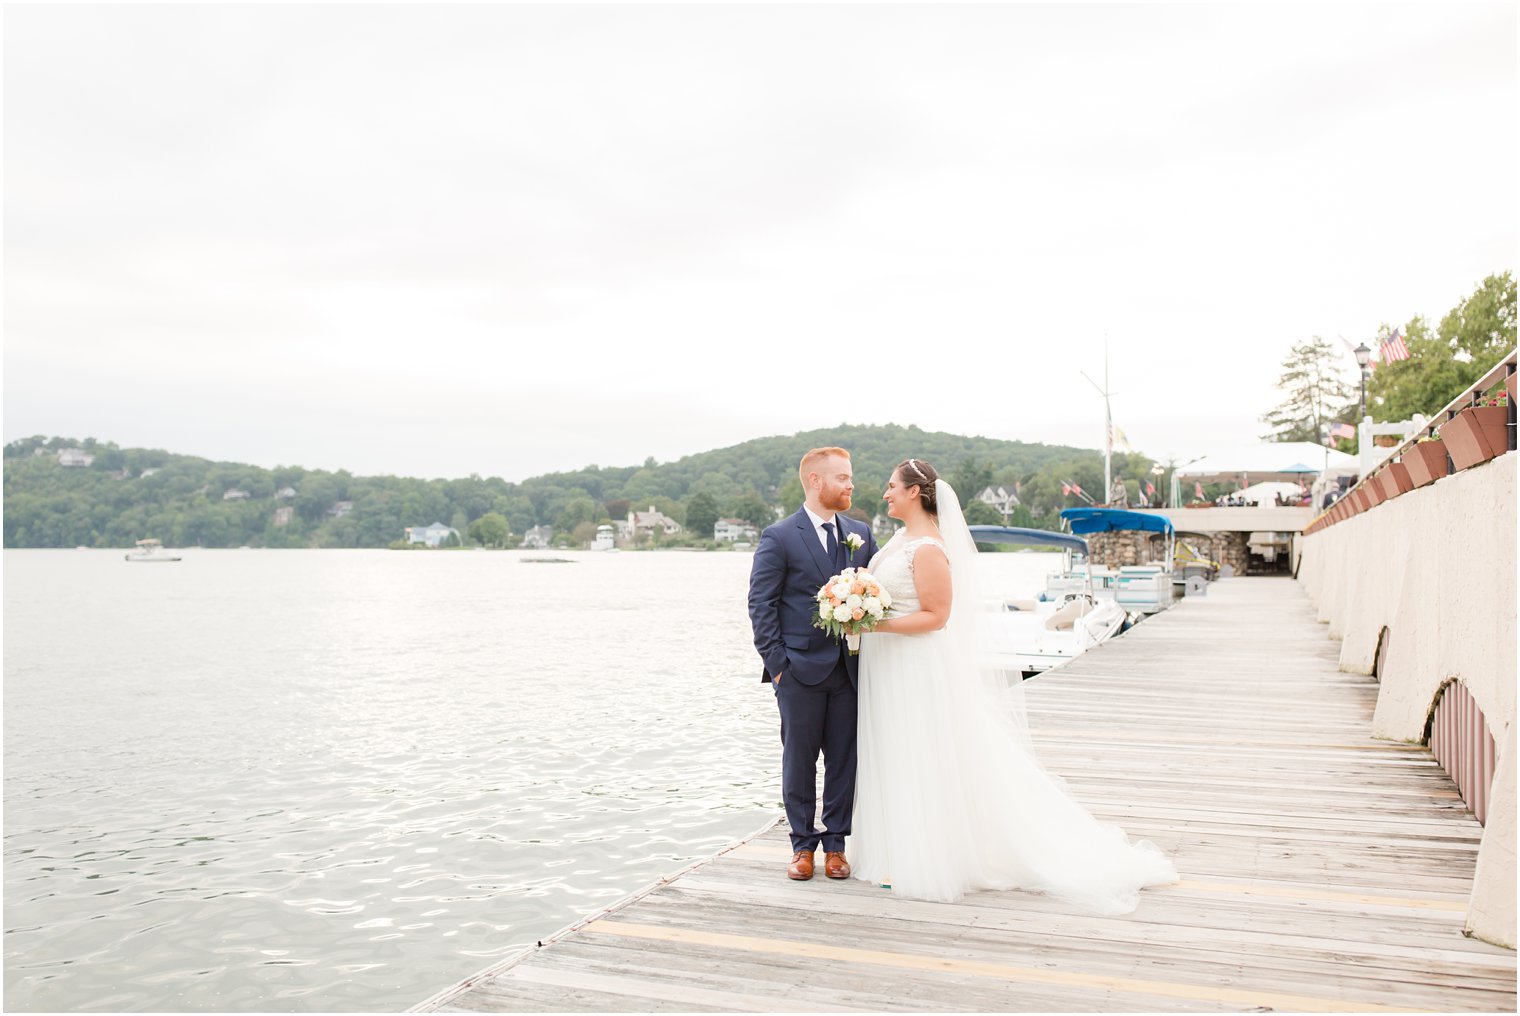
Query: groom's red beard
[(838, 501)]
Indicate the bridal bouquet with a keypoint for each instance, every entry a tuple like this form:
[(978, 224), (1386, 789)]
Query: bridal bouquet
[(850, 603)]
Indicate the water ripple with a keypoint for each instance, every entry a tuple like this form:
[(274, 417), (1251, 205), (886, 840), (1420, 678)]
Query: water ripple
[(339, 781)]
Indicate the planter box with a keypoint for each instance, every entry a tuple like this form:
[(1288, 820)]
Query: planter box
[(1395, 480), (1476, 435), (1425, 461)]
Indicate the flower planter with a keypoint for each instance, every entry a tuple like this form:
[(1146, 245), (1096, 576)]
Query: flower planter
[(1476, 435), (1395, 480), (1426, 462)]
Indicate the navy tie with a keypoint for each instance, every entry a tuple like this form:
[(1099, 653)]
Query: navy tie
[(833, 544)]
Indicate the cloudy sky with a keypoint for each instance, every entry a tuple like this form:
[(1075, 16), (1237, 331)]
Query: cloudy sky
[(512, 239)]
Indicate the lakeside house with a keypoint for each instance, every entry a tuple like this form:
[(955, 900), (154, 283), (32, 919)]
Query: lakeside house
[(538, 538), (432, 535), (75, 458), (283, 515), (340, 509), (651, 520), (734, 530), (1000, 499), (235, 495), (284, 493), (606, 538), (148, 472)]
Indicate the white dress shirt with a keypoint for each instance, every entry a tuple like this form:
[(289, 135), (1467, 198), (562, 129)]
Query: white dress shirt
[(822, 533)]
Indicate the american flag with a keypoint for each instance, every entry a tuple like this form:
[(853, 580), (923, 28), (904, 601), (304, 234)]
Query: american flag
[(1065, 488), (1342, 430), (1198, 487), (1394, 348), (1150, 488)]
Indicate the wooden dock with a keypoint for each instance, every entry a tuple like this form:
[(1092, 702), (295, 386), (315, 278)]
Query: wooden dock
[(1322, 870)]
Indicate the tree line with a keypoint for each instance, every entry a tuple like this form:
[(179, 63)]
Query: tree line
[(127, 494)]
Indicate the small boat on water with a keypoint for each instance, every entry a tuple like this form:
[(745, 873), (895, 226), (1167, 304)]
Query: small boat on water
[(1138, 588), (1029, 637), (150, 552)]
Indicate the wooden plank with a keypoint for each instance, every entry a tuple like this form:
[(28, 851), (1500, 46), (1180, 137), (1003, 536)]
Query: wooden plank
[(1322, 869)]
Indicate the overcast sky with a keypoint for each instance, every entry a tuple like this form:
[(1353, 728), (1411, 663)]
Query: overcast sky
[(507, 240)]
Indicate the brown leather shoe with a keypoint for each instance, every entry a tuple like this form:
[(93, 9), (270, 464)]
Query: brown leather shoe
[(801, 867), (834, 864)]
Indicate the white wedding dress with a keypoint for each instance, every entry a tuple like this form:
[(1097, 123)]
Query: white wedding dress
[(950, 796)]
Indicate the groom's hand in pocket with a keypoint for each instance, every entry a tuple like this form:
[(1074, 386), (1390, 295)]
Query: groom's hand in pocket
[(777, 679)]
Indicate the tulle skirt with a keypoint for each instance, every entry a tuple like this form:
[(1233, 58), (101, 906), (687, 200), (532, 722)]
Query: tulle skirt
[(948, 798)]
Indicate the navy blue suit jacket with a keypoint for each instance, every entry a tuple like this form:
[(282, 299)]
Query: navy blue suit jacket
[(790, 567)]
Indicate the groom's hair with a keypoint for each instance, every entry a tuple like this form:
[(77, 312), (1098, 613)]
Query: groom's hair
[(812, 458)]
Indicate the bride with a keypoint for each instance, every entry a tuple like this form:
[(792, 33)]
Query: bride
[(950, 795)]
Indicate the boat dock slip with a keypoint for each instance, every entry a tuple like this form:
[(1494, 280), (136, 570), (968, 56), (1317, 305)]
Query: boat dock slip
[(1322, 870)]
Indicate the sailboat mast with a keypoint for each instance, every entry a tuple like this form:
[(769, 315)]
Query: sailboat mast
[(1108, 433), (1108, 426)]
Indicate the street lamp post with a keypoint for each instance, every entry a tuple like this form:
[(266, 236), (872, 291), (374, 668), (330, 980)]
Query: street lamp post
[(1362, 355)]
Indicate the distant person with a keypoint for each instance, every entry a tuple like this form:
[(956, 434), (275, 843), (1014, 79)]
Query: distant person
[(812, 674), (951, 795)]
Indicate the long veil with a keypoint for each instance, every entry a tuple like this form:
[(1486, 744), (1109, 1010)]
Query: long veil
[(982, 682), (1026, 827)]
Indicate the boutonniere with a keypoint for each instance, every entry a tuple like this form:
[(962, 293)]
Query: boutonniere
[(854, 542)]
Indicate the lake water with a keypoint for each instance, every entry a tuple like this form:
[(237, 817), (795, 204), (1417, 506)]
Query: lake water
[(343, 780)]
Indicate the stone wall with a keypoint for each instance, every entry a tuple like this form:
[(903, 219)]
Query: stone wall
[(1434, 569), (1115, 550)]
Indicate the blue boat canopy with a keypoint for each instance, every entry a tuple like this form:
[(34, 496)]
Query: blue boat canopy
[(1107, 520), (1035, 537)]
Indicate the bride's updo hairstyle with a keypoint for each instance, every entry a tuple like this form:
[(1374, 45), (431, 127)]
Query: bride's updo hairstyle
[(917, 472)]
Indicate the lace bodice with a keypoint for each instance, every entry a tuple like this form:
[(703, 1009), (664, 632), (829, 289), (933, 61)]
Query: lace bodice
[(893, 568)]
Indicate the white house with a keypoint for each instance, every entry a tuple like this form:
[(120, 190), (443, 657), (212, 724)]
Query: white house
[(235, 495), (731, 530), (285, 493), (340, 509), (538, 537), (1001, 499), (651, 520), (605, 538), (432, 535), (74, 458), (147, 472)]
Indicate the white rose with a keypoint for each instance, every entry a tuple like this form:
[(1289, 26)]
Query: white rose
[(853, 601), (842, 590), (886, 598), (843, 613), (825, 610), (872, 605)]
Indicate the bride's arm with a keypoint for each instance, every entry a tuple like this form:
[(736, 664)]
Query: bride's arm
[(931, 579)]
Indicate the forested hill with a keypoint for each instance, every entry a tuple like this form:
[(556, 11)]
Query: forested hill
[(53, 499)]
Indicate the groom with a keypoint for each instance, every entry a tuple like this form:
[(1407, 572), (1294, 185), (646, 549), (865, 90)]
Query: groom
[(812, 672)]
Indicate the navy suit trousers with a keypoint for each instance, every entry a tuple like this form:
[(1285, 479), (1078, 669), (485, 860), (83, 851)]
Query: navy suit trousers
[(818, 718)]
